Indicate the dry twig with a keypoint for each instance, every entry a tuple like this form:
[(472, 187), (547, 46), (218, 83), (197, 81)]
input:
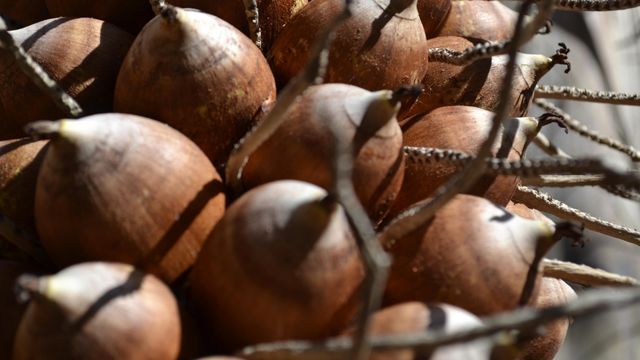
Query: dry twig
[(544, 202), (490, 49), (573, 93), (530, 168), (583, 130), (376, 260), (584, 275), (595, 5)]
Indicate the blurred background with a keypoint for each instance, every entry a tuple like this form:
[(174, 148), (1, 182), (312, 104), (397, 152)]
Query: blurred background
[(605, 55)]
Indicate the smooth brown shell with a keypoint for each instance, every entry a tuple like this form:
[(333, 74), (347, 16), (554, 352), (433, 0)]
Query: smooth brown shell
[(477, 84), (472, 254), (116, 187), (273, 14), (479, 20), (374, 49), (302, 147), (414, 317), (433, 14), (11, 310), (100, 311), (211, 88), (552, 292), (82, 55), (24, 12), (528, 213), (462, 128), (282, 264), (20, 161), (130, 15)]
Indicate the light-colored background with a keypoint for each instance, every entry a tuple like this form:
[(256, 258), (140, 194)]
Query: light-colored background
[(605, 54)]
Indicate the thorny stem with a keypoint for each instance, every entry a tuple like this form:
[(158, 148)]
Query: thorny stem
[(583, 130), (312, 74), (376, 260), (253, 18), (574, 93), (544, 202), (37, 74), (595, 5), (589, 302), (526, 168), (545, 145), (490, 49), (584, 275), (565, 180), (415, 217)]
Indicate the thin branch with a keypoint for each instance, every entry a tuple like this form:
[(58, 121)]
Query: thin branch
[(574, 93), (37, 74), (253, 18), (415, 217), (584, 275), (376, 260), (595, 5), (583, 130), (312, 74), (562, 181), (527, 168), (589, 302), (547, 146), (490, 49), (544, 202)]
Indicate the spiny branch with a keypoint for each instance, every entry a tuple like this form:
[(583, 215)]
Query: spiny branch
[(589, 302), (527, 168), (584, 275), (595, 5), (545, 202), (490, 49), (545, 145), (312, 74), (564, 180), (37, 74), (573, 93), (583, 130)]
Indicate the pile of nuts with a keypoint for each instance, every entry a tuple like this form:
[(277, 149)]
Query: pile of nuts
[(180, 193)]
